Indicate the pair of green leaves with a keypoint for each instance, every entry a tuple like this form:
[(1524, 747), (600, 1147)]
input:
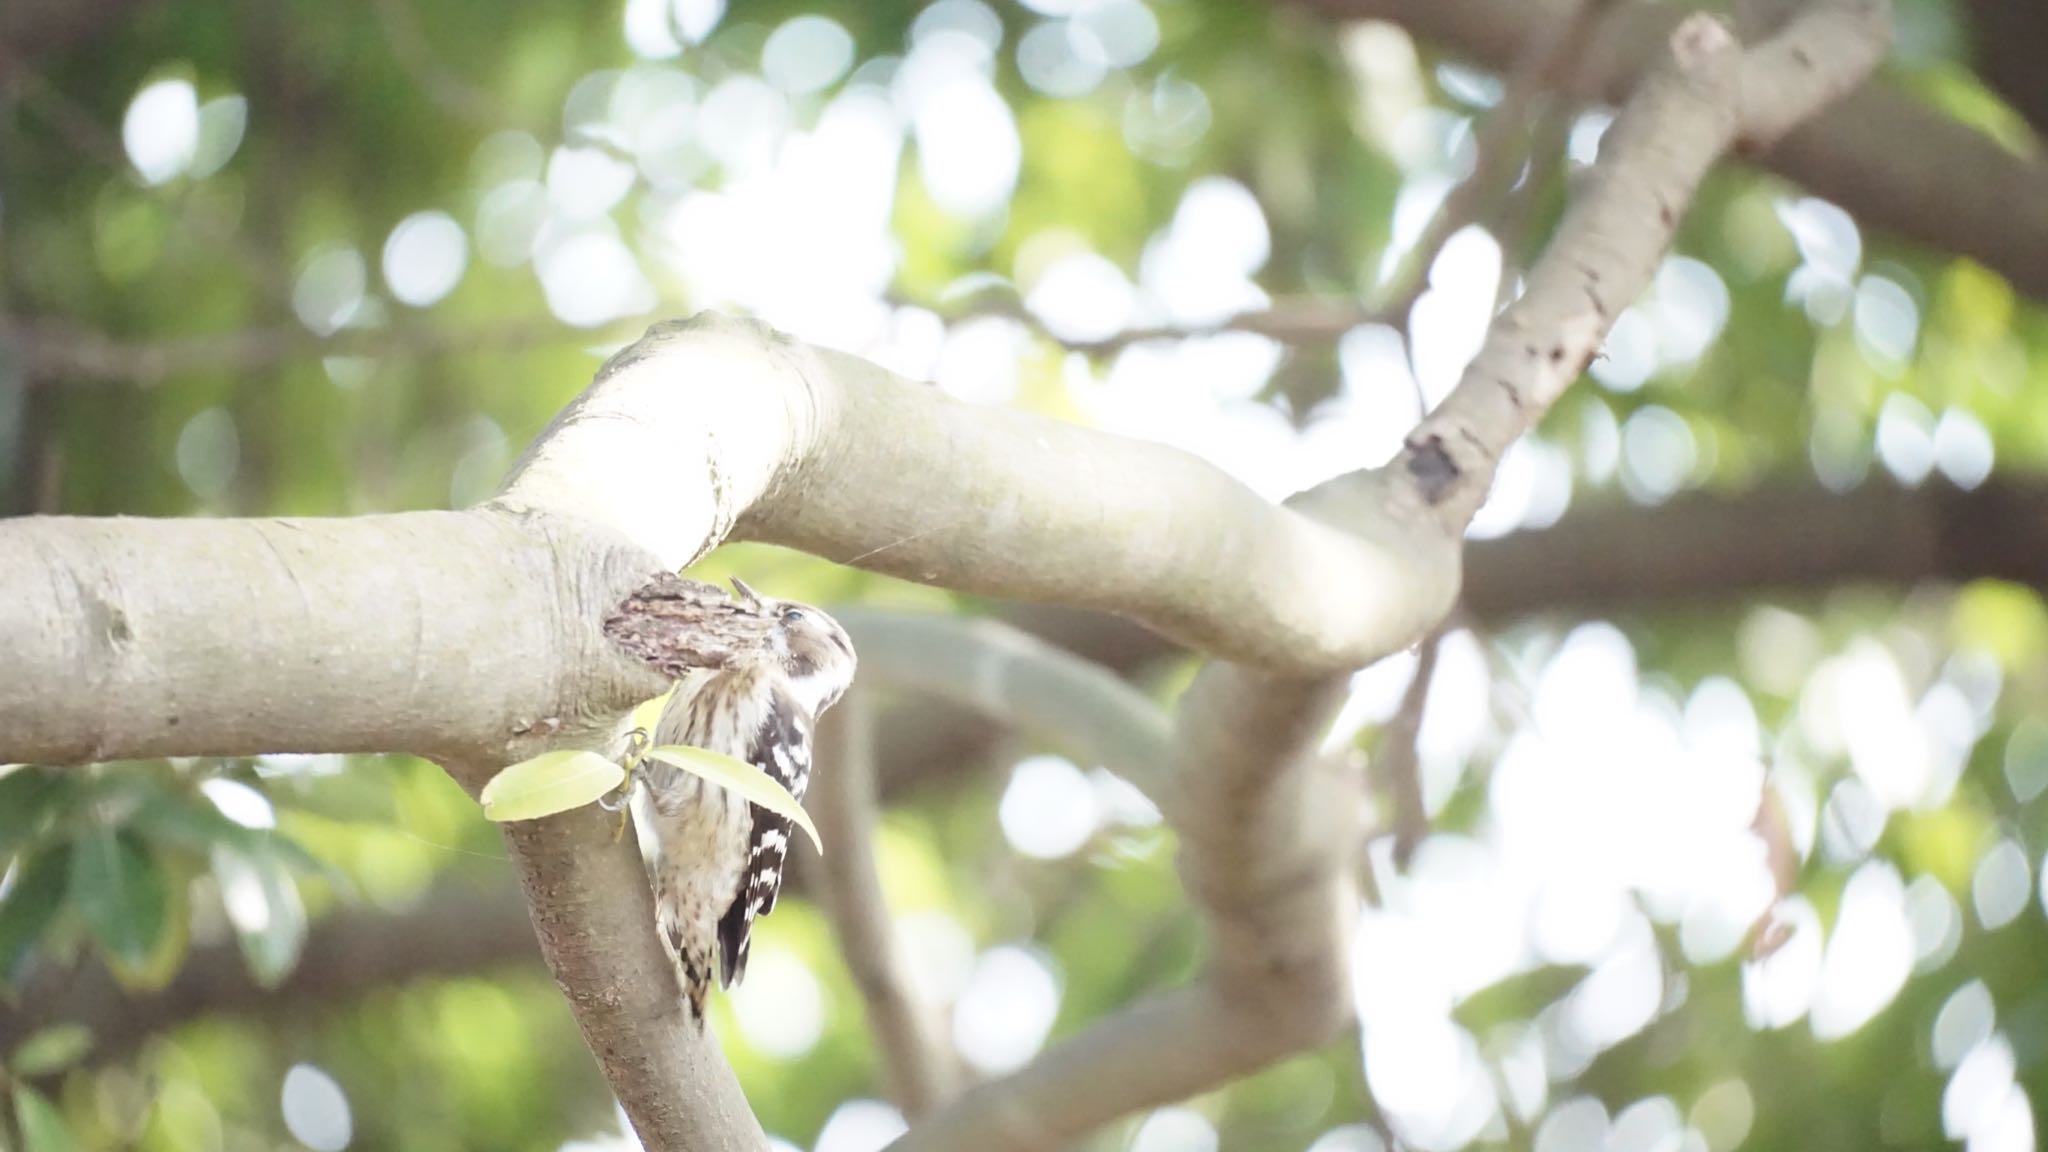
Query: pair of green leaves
[(558, 781)]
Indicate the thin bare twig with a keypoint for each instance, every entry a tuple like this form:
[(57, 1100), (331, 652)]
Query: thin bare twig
[(918, 1063), (1299, 320), (1397, 770)]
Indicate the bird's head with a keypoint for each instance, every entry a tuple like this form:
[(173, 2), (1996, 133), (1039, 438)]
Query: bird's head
[(814, 652)]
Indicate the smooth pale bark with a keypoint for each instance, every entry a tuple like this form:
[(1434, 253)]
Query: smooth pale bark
[(1268, 830)]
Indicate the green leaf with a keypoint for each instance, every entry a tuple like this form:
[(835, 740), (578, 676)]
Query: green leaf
[(42, 1126), (741, 778), (264, 907), (120, 893), (549, 783), (30, 905), (52, 1050)]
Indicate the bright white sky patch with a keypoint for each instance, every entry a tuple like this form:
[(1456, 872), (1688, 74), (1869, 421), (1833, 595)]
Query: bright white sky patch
[(805, 243), (1777, 990), (1723, 1114), (1966, 1020), (1658, 454), (696, 18), (1049, 809), (509, 220), (1061, 59), (939, 953), (979, 360), (590, 277), (861, 1126), (1006, 1011), (1449, 322), (1905, 438), (2001, 885), (1082, 297), (424, 258), (1962, 448), (806, 54), (1175, 1130), (240, 803), (222, 122), (161, 129), (329, 290), (1869, 955), (1574, 1125), (968, 151), (1937, 923), (742, 124), (1123, 32), (587, 182), (1620, 996), (209, 453), (1974, 1103), (316, 1110), (649, 32), (780, 1005), (1349, 1138)]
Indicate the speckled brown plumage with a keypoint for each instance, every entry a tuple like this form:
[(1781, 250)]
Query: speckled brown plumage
[(677, 625)]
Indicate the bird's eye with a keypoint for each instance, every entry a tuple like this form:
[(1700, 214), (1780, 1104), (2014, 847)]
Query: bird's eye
[(792, 616)]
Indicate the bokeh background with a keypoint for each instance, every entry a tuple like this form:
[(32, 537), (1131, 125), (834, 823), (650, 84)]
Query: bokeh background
[(1743, 870)]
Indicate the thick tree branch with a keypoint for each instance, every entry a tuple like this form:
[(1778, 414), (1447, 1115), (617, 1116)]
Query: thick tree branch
[(918, 1063), (1266, 834), (1698, 550), (415, 632), (1266, 828), (712, 429), (825, 452), (593, 911)]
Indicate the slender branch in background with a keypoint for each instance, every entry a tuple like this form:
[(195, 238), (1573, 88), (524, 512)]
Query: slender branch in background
[(1849, 153), (1008, 674), (1524, 102), (1301, 320), (1397, 770), (919, 1066), (54, 351), (1767, 935), (457, 929)]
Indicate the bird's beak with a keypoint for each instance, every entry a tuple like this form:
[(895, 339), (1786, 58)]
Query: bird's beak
[(747, 594)]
